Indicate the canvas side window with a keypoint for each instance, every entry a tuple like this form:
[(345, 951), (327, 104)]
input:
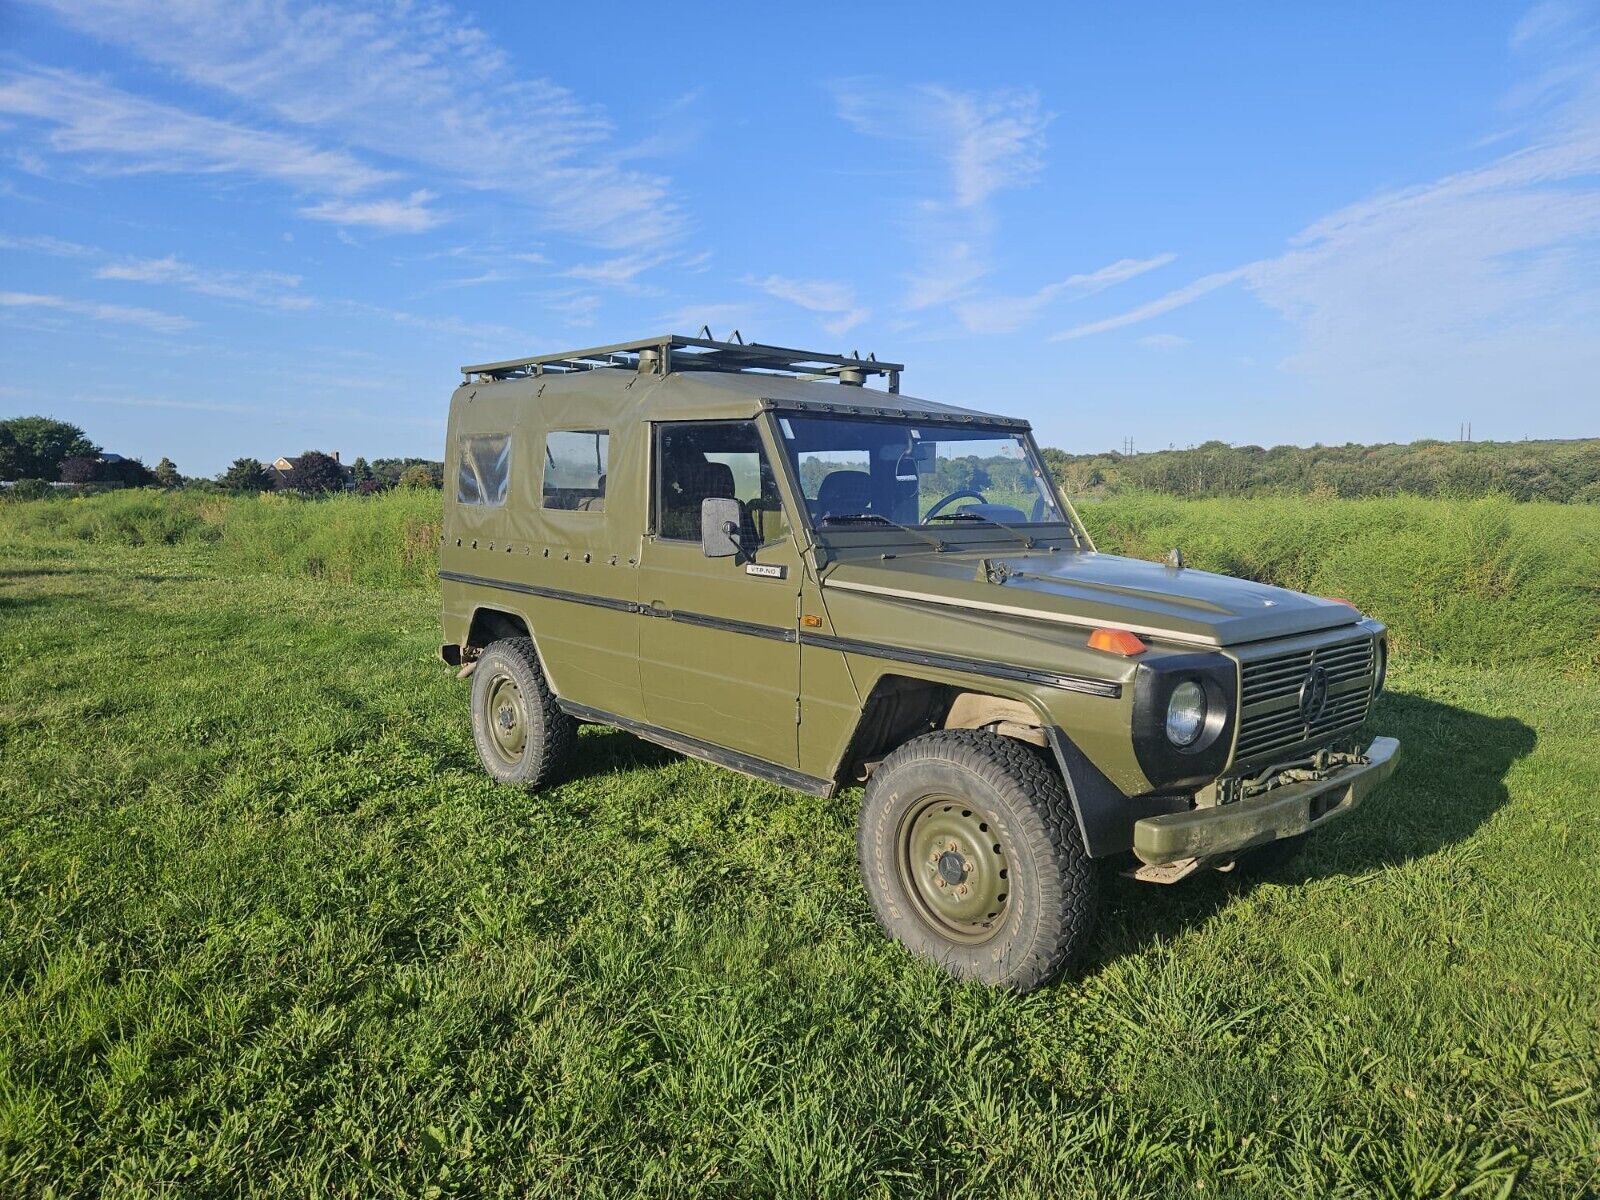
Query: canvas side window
[(575, 470), (485, 470)]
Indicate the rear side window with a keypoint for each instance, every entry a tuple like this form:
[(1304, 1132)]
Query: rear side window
[(575, 470), (485, 470)]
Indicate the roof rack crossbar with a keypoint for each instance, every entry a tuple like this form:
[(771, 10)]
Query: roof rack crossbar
[(674, 352)]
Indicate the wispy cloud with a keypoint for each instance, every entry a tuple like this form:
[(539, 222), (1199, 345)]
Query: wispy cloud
[(271, 289), (145, 318), (408, 215), (621, 273), (45, 244), (1174, 299), (987, 141), (479, 333), (1481, 283), (837, 300), (1003, 314), (721, 318), (119, 132), (981, 143), (1543, 21), (417, 83)]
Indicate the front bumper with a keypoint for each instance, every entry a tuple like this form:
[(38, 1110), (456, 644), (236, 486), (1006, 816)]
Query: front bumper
[(1226, 829)]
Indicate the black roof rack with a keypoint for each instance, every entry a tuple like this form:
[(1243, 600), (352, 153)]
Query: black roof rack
[(674, 352)]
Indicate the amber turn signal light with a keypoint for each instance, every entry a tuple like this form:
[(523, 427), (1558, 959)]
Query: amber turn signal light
[(811, 621), (1117, 641)]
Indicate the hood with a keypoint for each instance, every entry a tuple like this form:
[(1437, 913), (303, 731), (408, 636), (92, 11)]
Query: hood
[(1090, 590)]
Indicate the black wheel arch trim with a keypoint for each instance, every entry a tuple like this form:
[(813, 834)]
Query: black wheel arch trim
[(1104, 813)]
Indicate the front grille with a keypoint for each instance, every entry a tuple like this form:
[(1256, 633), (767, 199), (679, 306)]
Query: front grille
[(1269, 704)]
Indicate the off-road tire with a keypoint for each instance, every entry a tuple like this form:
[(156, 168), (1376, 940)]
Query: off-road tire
[(1048, 911), (508, 678), (1270, 858)]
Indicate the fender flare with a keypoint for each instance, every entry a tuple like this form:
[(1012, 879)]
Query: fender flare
[(1105, 815)]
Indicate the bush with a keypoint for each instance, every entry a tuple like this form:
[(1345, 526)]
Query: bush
[(246, 475), (315, 472), (419, 475)]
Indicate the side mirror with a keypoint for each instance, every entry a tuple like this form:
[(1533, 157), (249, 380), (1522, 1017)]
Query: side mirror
[(721, 528)]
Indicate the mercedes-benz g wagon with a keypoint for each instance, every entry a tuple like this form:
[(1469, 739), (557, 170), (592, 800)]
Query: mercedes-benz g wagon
[(746, 554)]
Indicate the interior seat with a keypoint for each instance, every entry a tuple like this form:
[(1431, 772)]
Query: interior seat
[(689, 479), (844, 494)]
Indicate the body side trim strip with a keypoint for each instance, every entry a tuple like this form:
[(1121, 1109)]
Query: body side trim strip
[(1012, 610), (749, 628), (1085, 685), (758, 768), (1109, 689), (533, 589)]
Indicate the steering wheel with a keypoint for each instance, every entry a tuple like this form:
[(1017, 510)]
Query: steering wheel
[(963, 494)]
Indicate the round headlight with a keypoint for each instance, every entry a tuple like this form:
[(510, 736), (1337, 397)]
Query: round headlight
[(1383, 666), (1186, 713)]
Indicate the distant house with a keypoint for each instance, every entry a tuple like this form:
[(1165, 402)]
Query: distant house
[(282, 472)]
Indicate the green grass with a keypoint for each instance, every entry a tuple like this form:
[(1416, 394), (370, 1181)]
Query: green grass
[(266, 928)]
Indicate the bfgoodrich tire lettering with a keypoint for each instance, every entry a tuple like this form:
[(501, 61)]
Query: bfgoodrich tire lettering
[(968, 809), (523, 737)]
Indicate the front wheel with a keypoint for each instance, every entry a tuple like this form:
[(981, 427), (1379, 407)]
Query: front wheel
[(523, 737), (971, 857)]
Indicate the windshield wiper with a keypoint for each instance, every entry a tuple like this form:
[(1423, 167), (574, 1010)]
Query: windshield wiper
[(963, 515), (878, 519)]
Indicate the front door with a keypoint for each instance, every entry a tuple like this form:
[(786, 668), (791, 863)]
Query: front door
[(719, 659)]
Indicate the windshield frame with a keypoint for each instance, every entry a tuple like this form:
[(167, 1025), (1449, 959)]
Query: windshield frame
[(957, 535)]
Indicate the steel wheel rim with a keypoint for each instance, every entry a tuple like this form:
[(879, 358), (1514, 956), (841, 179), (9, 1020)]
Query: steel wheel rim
[(507, 718), (954, 866)]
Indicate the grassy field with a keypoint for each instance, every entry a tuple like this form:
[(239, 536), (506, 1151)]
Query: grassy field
[(265, 927)]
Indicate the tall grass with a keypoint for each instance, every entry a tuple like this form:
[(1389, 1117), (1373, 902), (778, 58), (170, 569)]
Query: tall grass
[(1477, 581), (390, 540), (1470, 581)]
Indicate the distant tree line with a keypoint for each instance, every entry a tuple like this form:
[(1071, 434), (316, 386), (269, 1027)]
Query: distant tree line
[(1558, 471), (39, 451)]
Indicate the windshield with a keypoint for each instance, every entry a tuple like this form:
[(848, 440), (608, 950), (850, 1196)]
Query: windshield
[(916, 473)]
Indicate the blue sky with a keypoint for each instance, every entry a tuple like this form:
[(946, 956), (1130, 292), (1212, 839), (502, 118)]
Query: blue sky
[(239, 228)]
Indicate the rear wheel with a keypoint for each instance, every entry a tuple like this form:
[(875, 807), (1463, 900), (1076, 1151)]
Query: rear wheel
[(971, 857), (523, 737)]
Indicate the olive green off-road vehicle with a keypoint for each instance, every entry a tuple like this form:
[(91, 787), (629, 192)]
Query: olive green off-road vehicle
[(746, 554)]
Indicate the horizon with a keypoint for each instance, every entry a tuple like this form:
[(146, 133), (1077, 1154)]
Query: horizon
[(252, 233)]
